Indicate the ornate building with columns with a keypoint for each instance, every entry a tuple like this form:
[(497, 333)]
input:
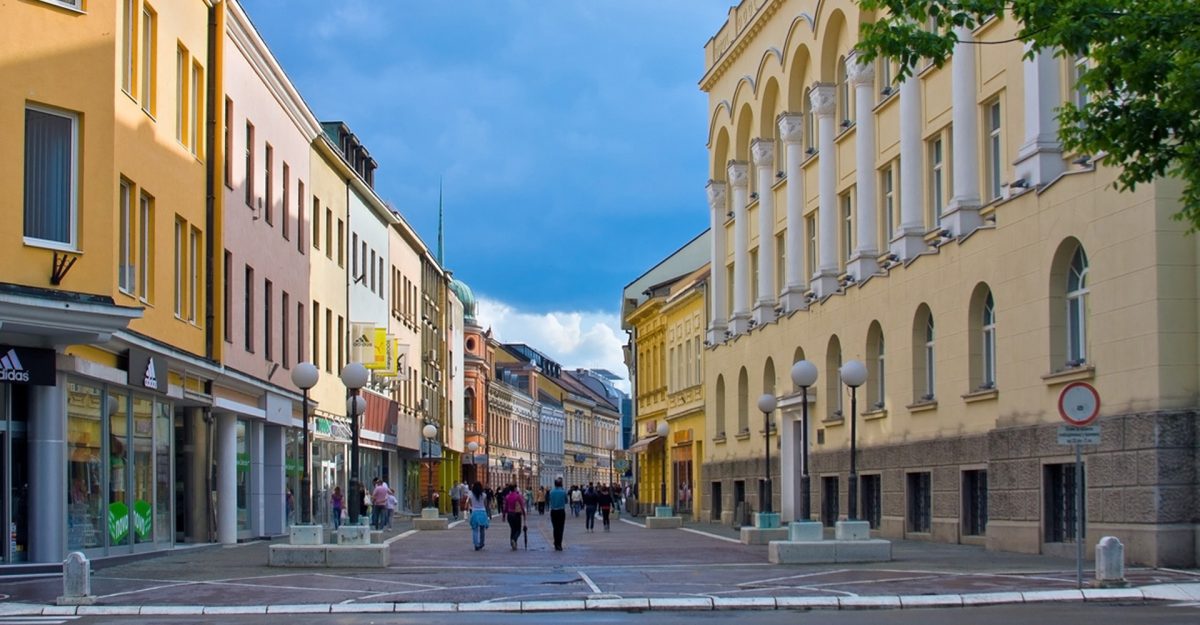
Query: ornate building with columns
[(934, 229)]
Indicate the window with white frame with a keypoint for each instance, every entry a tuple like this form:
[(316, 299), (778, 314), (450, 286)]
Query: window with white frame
[(810, 125), (847, 214), (780, 262), (125, 268), (145, 245), (881, 373), (128, 37), (994, 150), (1077, 291), (930, 371), (754, 294), (180, 269), (149, 59), (194, 274), (988, 327), (937, 179), (883, 72), (845, 112), (51, 177), (810, 253), (1079, 93), (181, 99), (887, 192), (196, 109)]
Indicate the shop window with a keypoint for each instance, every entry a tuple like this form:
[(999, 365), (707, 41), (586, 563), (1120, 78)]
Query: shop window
[(975, 502), (871, 491), (829, 500), (1059, 484), (920, 502)]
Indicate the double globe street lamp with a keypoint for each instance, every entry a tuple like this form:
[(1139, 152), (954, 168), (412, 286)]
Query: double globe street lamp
[(854, 375), (354, 376), (804, 375), (305, 376), (430, 433), (766, 403)]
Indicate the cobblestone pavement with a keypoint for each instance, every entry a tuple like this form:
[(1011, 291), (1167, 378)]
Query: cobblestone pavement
[(629, 561)]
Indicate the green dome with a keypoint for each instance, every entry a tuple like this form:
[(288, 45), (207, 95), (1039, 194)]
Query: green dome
[(465, 296)]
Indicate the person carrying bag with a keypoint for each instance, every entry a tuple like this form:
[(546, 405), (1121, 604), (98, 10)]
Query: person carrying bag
[(514, 506), (479, 514)]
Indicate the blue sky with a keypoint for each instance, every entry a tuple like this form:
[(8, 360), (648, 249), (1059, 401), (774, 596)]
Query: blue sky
[(569, 136)]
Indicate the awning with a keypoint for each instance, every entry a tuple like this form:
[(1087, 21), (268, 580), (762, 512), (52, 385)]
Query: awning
[(641, 445)]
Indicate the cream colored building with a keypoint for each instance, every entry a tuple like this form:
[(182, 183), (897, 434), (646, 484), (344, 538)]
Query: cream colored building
[(935, 230)]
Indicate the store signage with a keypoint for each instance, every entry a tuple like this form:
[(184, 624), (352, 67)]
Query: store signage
[(580, 458), (362, 342), (26, 365), (147, 370)]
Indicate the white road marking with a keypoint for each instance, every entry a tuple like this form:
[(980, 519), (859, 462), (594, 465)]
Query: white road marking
[(770, 580), (641, 525), (35, 620), (587, 580), (708, 535)]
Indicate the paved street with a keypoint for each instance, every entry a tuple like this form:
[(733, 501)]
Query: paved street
[(700, 561)]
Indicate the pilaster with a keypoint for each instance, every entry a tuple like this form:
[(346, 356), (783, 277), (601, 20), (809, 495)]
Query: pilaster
[(718, 320), (864, 262), (740, 320), (962, 213), (791, 132), (763, 151), (824, 280)]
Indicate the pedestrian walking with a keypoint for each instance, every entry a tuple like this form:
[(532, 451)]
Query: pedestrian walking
[(590, 500), (392, 504), (514, 507), (455, 496), (557, 500), (541, 500), (379, 499), (605, 501), (480, 519), (335, 502), (576, 500)]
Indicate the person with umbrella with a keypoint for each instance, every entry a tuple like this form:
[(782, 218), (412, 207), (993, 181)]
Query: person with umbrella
[(514, 507)]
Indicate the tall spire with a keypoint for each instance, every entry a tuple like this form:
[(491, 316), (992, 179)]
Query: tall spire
[(441, 229)]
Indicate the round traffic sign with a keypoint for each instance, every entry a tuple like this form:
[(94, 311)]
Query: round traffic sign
[(1079, 403)]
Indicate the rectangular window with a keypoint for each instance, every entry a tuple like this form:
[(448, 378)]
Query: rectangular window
[(180, 228), (341, 346), (181, 99), (328, 233), (285, 315), (937, 198), (1079, 93), (145, 245), (149, 58), (125, 269), (920, 502), (316, 333), (300, 320), (300, 216), (248, 320), (341, 243), (285, 210), (51, 176), (354, 256), (328, 340), (196, 109), (975, 504), (128, 36), (269, 184), (810, 254), (227, 322), (847, 226), (1058, 489), (268, 320), (995, 163), (195, 275), (316, 223), (872, 499), (780, 262), (754, 275), (228, 143), (379, 264), (887, 186), (248, 183)]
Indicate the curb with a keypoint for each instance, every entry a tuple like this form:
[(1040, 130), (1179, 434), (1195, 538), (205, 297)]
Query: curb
[(1160, 592)]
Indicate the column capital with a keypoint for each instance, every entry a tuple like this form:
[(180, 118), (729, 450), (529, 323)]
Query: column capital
[(859, 73), (738, 171), (763, 151), (823, 99), (716, 195), (791, 127)]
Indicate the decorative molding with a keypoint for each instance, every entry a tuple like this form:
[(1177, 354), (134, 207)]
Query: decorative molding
[(715, 190), (1074, 374), (979, 395), (823, 98), (738, 174), (859, 73), (924, 405), (791, 127), (763, 151)]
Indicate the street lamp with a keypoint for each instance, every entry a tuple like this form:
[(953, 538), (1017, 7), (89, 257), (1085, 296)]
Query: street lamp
[(305, 376), (354, 376), (430, 432), (473, 447), (612, 444), (854, 374), (662, 433), (804, 375), (766, 404)]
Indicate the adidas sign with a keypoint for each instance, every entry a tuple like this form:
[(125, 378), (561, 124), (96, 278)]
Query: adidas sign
[(11, 369)]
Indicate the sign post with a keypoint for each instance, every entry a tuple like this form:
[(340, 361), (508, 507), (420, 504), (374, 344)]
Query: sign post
[(1079, 405)]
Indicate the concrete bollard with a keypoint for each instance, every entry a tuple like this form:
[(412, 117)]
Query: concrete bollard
[(77, 580), (1110, 562)]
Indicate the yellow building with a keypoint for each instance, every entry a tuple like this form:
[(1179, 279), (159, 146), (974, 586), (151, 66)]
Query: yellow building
[(104, 327), (684, 320), (934, 230)]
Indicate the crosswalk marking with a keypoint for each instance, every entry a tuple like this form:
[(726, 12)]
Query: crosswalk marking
[(35, 620)]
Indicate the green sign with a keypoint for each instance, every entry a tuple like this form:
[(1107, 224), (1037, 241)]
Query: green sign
[(293, 467), (243, 462), (118, 522), (143, 519), (324, 426)]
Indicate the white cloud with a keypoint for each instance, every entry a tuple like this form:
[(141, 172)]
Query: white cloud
[(576, 339)]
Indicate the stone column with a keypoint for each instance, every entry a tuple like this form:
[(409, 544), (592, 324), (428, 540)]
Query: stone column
[(741, 253), (909, 240), (763, 151), (864, 263), (195, 453), (226, 486), (791, 131), (46, 468), (718, 296), (962, 213), (825, 279), (1039, 160)]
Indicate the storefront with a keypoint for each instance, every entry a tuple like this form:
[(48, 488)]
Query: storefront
[(20, 368), (331, 449)]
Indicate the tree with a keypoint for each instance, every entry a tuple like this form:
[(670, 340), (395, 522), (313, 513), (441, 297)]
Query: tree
[(1142, 76)]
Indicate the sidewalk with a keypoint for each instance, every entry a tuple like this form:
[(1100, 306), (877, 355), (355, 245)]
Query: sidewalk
[(701, 566)]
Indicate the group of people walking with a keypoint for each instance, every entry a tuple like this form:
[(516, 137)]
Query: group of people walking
[(514, 506), (380, 503)]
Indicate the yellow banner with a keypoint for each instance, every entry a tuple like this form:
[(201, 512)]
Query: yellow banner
[(389, 366)]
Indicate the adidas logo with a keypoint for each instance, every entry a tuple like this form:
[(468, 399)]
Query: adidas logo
[(11, 369), (150, 380)]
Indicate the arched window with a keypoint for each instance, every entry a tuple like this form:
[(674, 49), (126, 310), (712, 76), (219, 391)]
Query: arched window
[(1077, 291), (924, 358), (469, 408), (845, 115), (876, 387), (743, 399), (719, 430), (982, 339), (810, 123), (833, 378), (989, 342)]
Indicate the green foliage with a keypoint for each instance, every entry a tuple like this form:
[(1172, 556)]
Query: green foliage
[(1142, 77)]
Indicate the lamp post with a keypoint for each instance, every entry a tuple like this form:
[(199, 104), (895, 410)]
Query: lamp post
[(612, 474), (804, 375), (766, 403), (305, 376), (430, 432), (354, 376), (854, 374), (662, 430), (473, 447)]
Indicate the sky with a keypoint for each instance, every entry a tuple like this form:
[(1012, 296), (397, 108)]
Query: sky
[(567, 137)]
